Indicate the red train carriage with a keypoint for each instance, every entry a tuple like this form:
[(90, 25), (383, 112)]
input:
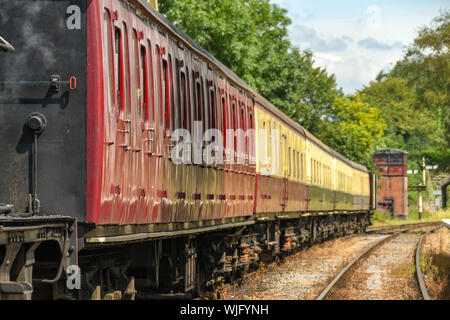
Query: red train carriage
[(91, 92), (150, 84)]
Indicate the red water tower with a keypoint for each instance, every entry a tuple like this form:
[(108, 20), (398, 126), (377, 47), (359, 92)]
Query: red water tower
[(392, 196)]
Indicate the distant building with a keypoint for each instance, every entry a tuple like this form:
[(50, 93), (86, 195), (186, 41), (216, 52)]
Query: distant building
[(392, 194)]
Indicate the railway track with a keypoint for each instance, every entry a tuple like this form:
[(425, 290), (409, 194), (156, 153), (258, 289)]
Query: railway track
[(423, 288), (242, 287), (349, 268), (402, 226)]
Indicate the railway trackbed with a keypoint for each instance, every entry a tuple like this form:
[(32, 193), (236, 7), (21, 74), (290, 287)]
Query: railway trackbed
[(305, 274), (388, 269)]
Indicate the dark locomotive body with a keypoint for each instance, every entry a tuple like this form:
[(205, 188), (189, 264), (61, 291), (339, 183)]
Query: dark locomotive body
[(89, 94)]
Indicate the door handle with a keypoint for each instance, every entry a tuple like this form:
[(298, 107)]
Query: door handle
[(55, 83), (151, 141)]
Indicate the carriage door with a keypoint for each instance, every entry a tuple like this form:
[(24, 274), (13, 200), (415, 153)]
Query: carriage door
[(119, 124), (140, 122), (166, 100)]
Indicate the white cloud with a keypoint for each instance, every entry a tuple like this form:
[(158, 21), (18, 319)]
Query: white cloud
[(306, 37), (354, 62), (356, 66), (328, 57), (374, 44), (356, 39)]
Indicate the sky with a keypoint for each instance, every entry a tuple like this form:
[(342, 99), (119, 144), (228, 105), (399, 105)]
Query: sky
[(355, 39)]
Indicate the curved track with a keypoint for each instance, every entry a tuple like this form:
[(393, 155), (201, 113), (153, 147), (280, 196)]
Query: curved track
[(333, 283), (423, 288)]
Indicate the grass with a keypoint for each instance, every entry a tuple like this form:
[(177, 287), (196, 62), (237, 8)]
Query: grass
[(380, 219), (404, 271), (435, 263)]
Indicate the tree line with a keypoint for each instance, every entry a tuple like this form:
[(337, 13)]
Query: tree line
[(406, 108)]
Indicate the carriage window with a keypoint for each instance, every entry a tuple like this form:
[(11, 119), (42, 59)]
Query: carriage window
[(107, 55), (243, 127), (204, 105), (294, 167), (161, 85), (294, 154), (144, 84), (295, 164), (187, 109), (251, 147), (166, 94), (118, 66), (317, 172), (181, 79), (126, 94), (135, 64), (212, 107), (234, 125), (314, 171), (150, 88), (198, 100), (224, 122), (178, 120), (289, 159), (300, 169), (171, 110)]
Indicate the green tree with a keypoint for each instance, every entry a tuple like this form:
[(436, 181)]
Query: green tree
[(409, 126), (426, 67), (317, 95), (249, 37), (354, 128)]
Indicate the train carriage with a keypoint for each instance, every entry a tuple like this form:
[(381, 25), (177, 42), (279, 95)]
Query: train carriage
[(91, 93)]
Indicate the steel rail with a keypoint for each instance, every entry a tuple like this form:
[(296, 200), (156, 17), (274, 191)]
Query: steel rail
[(335, 280), (419, 273)]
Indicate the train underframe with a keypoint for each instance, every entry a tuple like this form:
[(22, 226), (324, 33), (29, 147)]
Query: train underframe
[(32, 257), (183, 266)]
